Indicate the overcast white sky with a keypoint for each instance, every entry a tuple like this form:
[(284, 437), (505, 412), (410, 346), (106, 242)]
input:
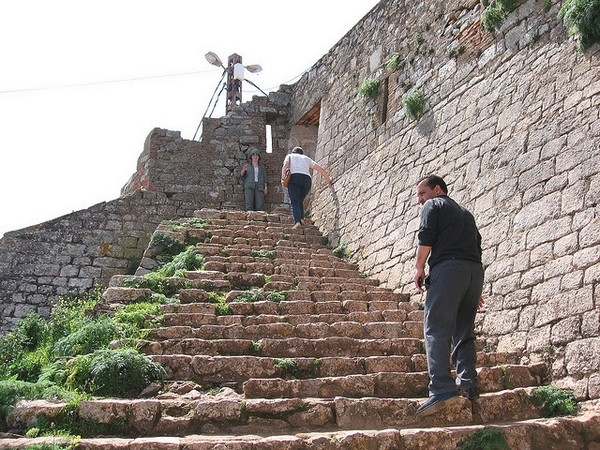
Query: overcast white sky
[(83, 82)]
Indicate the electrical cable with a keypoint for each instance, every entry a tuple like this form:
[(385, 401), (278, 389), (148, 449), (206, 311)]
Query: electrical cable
[(94, 83), (210, 101)]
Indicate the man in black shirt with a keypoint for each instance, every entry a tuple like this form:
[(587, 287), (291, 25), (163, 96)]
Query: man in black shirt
[(451, 245)]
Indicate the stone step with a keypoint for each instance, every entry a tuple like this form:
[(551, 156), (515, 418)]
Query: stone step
[(234, 370), (285, 348), (573, 433), (205, 315), (279, 330), (256, 313), (497, 371), (228, 412), (383, 384), (198, 301)]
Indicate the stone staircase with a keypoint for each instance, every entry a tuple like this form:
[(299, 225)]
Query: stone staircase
[(320, 357)]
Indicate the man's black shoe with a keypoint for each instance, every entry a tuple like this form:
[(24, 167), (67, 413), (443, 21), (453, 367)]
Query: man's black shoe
[(435, 403), (471, 393)]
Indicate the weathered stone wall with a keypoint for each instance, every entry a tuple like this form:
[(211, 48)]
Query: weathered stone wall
[(174, 177), (73, 253), (208, 169), (511, 120)]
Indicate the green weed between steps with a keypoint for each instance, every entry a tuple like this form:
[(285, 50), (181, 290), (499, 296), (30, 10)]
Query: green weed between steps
[(291, 367), (250, 296), (287, 366), (486, 439), (263, 254), (159, 284), (554, 401)]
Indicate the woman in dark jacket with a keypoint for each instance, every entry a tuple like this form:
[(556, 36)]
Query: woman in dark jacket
[(255, 183)]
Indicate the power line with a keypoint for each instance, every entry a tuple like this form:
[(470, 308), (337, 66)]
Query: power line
[(97, 83)]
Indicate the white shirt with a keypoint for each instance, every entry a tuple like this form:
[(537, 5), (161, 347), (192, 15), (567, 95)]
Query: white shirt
[(299, 163)]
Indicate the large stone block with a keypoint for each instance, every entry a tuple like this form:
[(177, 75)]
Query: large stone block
[(581, 357)]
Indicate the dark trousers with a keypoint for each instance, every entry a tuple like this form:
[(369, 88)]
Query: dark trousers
[(453, 290), (298, 189), (254, 199)]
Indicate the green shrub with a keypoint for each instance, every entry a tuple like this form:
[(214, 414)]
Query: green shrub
[(491, 18), (186, 260), (122, 372), (31, 331), (486, 439), (167, 245), (413, 103), (137, 316), (554, 401), (92, 336), (370, 88), (582, 20), (29, 365), (215, 297), (10, 350), (197, 222), (69, 313)]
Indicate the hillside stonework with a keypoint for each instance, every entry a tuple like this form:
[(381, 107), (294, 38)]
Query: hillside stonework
[(84, 249), (511, 120)]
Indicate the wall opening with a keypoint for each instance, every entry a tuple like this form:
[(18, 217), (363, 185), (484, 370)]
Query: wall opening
[(268, 139)]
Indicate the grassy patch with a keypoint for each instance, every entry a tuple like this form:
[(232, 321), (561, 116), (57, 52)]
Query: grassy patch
[(122, 372), (160, 284), (486, 439), (188, 259)]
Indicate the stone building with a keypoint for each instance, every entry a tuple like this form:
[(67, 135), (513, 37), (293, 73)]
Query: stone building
[(510, 119)]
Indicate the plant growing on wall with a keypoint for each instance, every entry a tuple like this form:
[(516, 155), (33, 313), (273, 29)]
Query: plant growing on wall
[(395, 62), (413, 103), (369, 88), (495, 12), (491, 18), (582, 20)]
